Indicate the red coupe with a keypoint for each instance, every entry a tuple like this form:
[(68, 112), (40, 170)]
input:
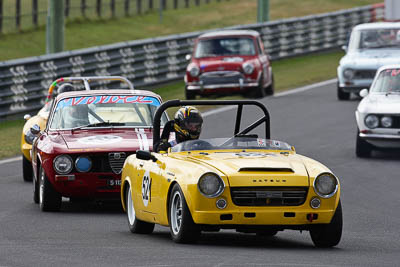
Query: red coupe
[(226, 62), (88, 136)]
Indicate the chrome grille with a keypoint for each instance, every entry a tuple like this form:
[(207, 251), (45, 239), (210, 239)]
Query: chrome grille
[(364, 74), (116, 160), (221, 77), (268, 196)]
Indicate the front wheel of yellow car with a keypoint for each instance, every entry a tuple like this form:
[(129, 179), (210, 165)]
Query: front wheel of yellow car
[(27, 172), (35, 191), (328, 235), (135, 225), (183, 229)]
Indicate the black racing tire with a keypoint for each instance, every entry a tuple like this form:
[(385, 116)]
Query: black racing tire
[(259, 91), (363, 148), (35, 190), (49, 198), (27, 172), (190, 95), (328, 235), (136, 226), (182, 227), (271, 88), (341, 95)]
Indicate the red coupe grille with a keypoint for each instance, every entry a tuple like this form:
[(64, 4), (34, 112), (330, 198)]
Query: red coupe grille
[(116, 161)]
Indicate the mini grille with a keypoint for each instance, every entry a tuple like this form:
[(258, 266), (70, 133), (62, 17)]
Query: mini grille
[(116, 161), (268, 196), (221, 77)]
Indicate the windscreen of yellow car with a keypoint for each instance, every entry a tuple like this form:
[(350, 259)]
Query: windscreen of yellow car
[(104, 111), (241, 143)]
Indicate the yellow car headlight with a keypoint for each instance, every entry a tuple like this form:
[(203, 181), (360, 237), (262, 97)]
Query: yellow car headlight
[(325, 185), (29, 137), (211, 185)]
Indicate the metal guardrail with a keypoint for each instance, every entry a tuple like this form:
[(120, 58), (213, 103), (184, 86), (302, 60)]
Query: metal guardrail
[(149, 62)]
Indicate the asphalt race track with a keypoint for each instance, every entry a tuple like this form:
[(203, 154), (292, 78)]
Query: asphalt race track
[(314, 121)]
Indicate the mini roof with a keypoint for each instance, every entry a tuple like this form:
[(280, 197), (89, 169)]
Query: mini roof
[(229, 33)]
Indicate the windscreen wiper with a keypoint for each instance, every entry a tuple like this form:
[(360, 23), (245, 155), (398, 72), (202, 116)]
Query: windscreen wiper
[(99, 124), (105, 123)]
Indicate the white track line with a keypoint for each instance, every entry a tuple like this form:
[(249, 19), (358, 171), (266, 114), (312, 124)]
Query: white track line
[(4, 161), (305, 88), (289, 92), (219, 110)]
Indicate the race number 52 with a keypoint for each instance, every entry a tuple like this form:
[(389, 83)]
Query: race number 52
[(146, 188)]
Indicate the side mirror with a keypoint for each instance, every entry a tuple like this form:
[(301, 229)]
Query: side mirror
[(145, 155), (344, 48), (35, 129), (188, 57), (27, 117), (364, 93)]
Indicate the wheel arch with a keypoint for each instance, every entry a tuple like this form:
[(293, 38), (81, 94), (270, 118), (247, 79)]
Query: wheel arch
[(168, 199), (124, 190), (188, 199), (38, 166)]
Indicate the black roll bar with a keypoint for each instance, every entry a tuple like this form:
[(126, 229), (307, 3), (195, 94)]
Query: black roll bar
[(240, 103)]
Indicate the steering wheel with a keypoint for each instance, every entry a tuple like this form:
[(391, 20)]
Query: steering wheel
[(200, 145)]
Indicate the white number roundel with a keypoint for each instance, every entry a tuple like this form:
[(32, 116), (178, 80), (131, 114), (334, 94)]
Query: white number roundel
[(146, 188)]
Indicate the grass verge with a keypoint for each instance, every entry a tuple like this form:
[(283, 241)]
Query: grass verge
[(81, 33), (10, 138), (289, 73)]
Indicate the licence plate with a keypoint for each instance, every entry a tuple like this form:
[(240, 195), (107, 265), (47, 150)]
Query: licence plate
[(114, 182)]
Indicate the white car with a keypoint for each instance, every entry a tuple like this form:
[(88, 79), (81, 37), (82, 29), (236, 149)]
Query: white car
[(371, 46), (378, 113)]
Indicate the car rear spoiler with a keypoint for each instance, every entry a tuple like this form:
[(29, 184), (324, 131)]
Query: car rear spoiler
[(86, 81), (240, 103)]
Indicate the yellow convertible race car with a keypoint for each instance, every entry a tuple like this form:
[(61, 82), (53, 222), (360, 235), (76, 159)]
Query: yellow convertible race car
[(28, 135), (244, 182)]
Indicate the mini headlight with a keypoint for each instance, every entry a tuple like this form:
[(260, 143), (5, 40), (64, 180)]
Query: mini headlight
[(210, 185), (325, 185), (386, 121), (63, 164), (371, 121), (248, 68), (194, 71), (29, 137), (83, 164), (348, 74)]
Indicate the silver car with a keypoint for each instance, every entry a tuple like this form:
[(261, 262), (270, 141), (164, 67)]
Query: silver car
[(371, 46), (378, 114)]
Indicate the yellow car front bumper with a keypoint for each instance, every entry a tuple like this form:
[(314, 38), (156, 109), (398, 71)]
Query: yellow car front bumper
[(263, 216)]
